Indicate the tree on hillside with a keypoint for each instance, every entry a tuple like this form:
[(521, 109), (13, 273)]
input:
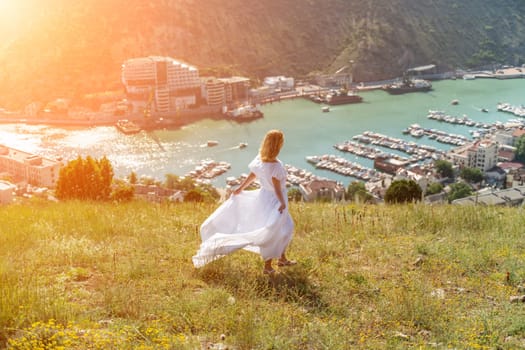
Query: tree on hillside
[(444, 168), (520, 149), (86, 179), (403, 191), (356, 192), (472, 175), (459, 190)]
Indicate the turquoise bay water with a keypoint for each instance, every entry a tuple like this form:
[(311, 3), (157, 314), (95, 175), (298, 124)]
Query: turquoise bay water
[(308, 130)]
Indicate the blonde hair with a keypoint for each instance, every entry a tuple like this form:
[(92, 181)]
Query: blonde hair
[(271, 145)]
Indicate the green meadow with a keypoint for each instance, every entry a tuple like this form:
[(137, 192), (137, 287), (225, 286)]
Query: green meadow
[(83, 275)]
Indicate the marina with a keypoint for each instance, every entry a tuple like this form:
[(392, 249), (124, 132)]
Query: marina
[(307, 130)]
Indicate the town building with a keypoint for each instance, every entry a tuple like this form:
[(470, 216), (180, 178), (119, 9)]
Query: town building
[(504, 137), (516, 134), (495, 177), (30, 168), (515, 174), (322, 189), (506, 153), (507, 197), (418, 175), (160, 85), (482, 155)]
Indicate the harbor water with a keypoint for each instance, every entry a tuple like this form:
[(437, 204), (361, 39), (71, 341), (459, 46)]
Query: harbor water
[(308, 131)]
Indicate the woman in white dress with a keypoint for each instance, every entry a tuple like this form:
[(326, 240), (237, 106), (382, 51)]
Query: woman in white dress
[(258, 220)]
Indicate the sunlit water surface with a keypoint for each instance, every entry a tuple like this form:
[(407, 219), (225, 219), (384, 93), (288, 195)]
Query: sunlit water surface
[(308, 131)]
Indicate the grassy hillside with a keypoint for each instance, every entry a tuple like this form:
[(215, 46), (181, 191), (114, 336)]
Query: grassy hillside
[(84, 275), (62, 48)]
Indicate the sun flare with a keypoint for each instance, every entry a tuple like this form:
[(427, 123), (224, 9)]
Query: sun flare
[(9, 12)]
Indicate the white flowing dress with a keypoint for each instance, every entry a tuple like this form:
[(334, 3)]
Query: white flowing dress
[(249, 220)]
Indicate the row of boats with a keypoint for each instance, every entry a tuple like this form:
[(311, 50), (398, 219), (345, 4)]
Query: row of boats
[(441, 116), (417, 152), (415, 130), (508, 108), (344, 167), (208, 169)]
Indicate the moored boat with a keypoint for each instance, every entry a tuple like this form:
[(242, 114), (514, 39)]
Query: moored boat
[(245, 113), (127, 126), (342, 97), (408, 85)]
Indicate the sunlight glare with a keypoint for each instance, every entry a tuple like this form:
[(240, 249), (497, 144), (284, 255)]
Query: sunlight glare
[(9, 12)]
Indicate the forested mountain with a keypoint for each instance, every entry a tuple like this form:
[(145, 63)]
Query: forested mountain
[(63, 48)]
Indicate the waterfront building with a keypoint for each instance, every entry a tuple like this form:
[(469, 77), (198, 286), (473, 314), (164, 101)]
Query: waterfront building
[(279, 83), (160, 85), (214, 92), (236, 90), (388, 164), (30, 168)]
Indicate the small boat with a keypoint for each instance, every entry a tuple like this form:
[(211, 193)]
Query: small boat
[(408, 85), (127, 126), (325, 109), (454, 102), (243, 145), (245, 113), (212, 143), (484, 110)]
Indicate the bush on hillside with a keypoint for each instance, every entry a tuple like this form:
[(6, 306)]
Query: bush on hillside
[(472, 175), (459, 190)]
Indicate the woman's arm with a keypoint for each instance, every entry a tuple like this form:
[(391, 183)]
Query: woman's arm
[(245, 183), (279, 193)]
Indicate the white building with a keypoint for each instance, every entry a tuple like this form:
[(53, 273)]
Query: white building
[(486, 155), (33, 169), (279, 83), (322, 189), (214, 92), (160, 84), (482, 155), (504, 137)]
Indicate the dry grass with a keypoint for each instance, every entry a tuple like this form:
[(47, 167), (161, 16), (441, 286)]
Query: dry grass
[(90, 275)]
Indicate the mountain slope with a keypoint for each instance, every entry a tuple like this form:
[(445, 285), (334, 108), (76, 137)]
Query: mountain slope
[(66, 48)]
